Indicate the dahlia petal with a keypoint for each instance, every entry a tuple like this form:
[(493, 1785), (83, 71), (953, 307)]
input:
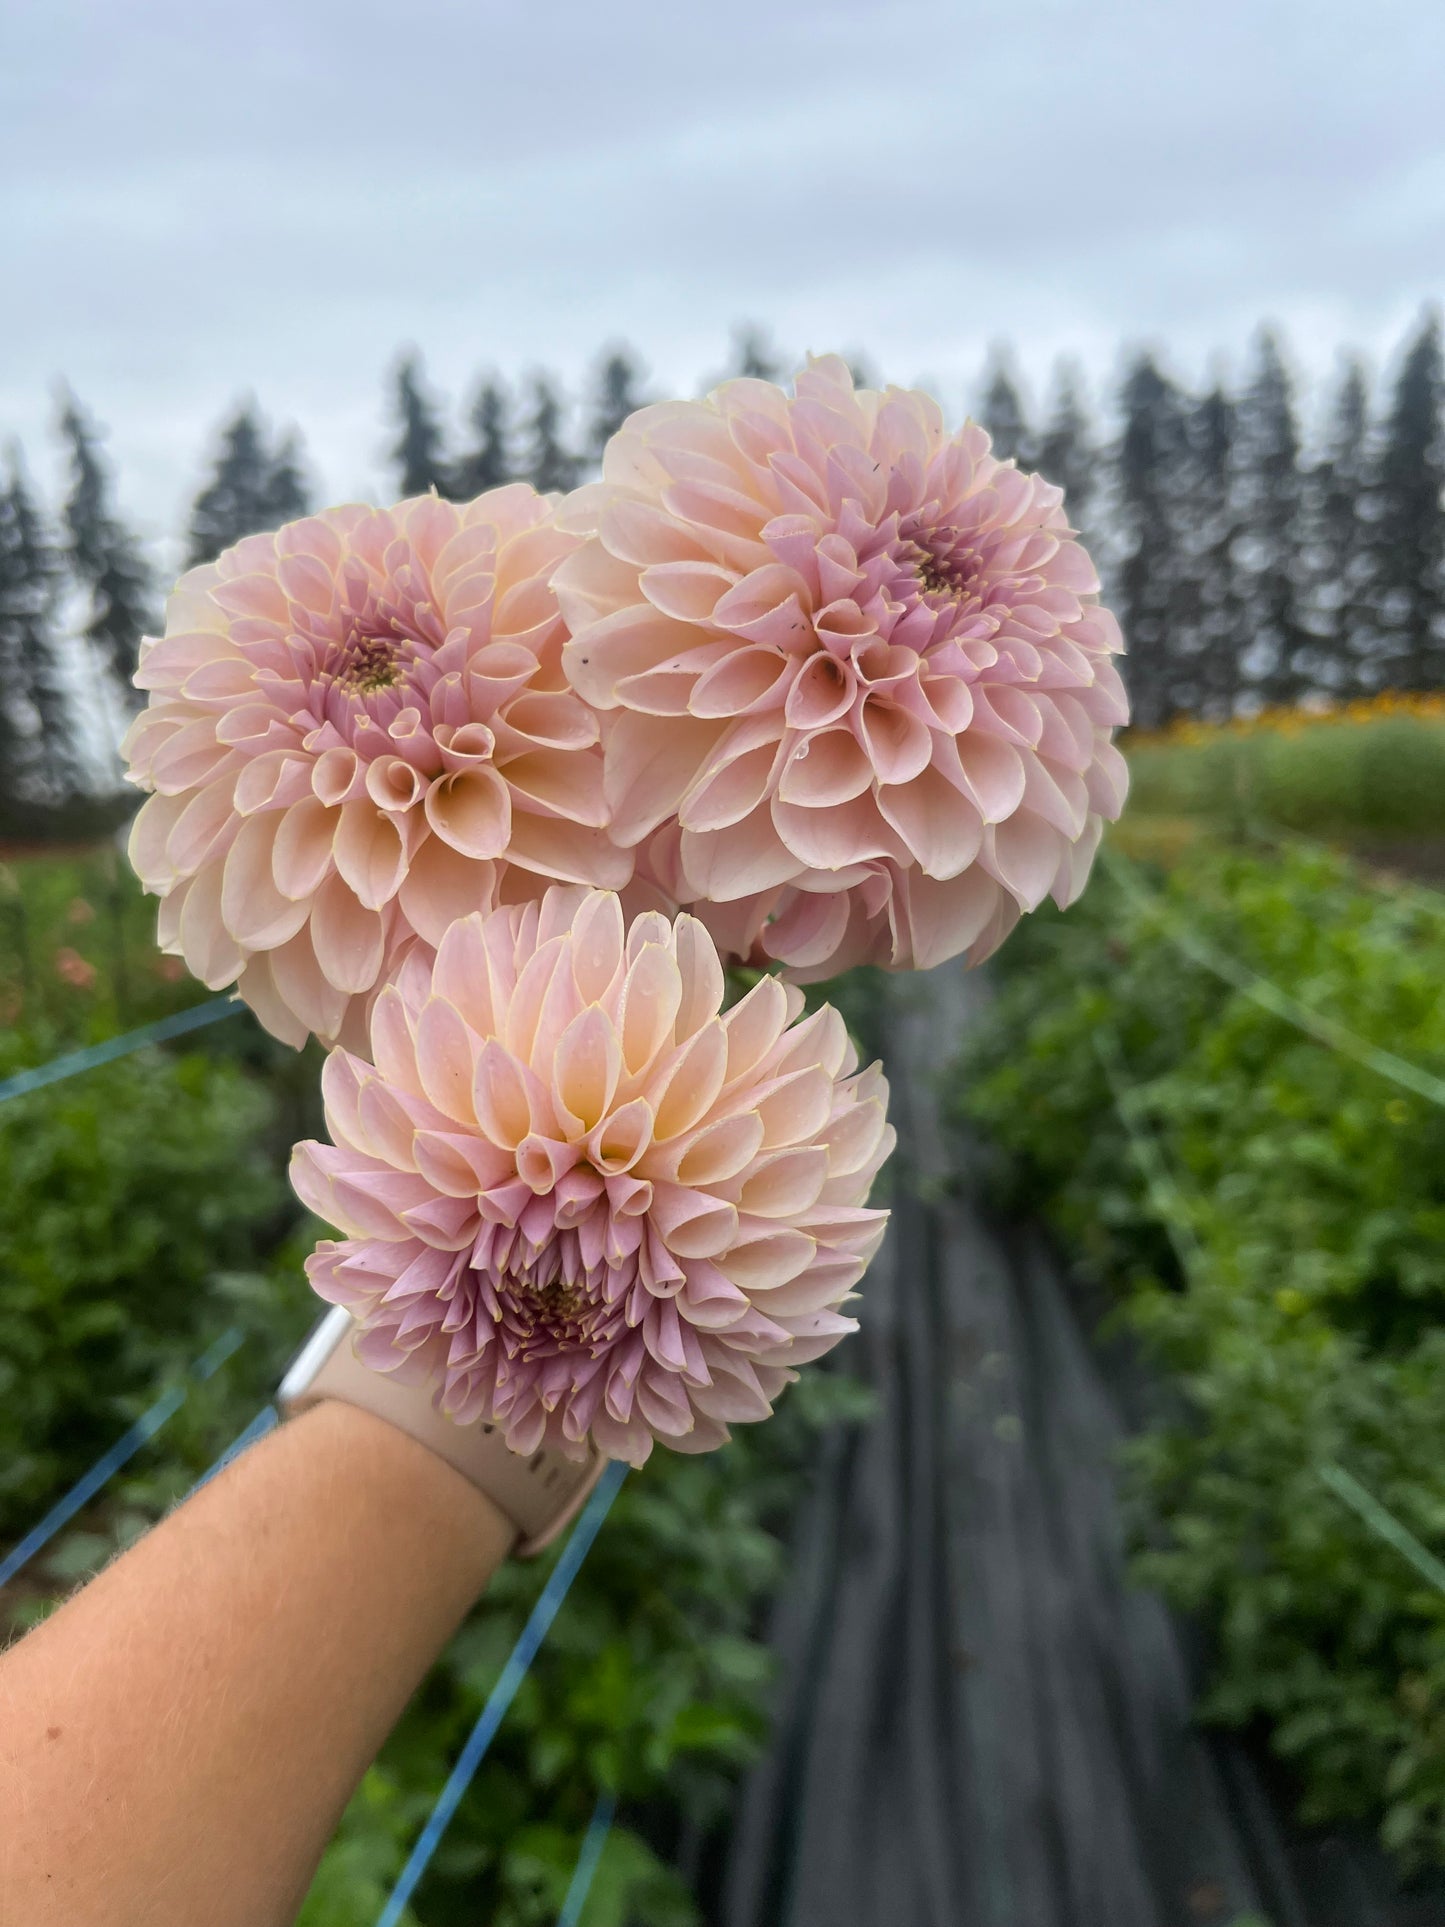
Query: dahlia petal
[(730, 684), (585, 1068), (795, 1109), (739, 861), (1023, 853), (693, 1223), (254, 912), (838, 836), (369, 853), (650, 1001), (829, 767), (203, 820), (701, 974), (993, 774), (710, 1156), (632, 1228), (621, 1138), (686, 591), (501, 1097), (445, 1052), (471, 810), (300, 981), (349, 940), (568, 852), (647, 774), (257, 986), (940, 827), (349, 663), (442, 886), (810, 930), (753, 1026), (683, 1097), (944, 919)]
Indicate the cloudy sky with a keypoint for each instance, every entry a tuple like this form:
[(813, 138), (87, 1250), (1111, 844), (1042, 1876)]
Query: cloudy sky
[(196, 202)]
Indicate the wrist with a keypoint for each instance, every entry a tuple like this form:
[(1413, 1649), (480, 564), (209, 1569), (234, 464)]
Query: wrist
[(539, 1493), (379, 1476)]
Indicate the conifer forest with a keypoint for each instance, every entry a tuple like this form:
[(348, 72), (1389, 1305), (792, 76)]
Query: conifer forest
[(1264, 544)]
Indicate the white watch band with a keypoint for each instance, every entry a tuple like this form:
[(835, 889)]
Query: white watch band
[(540, 1494)]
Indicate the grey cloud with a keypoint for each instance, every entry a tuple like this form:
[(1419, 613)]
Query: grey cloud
[(199, 202)]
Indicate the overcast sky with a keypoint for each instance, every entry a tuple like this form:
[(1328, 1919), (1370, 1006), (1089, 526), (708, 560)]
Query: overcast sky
[(196, 202)]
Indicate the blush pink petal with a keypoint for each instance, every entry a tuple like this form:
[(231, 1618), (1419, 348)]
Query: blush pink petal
[(581, 1199), (835, 647), (343, 718)]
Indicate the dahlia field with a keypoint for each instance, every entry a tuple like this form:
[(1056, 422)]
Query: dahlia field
[(1264, 1210)]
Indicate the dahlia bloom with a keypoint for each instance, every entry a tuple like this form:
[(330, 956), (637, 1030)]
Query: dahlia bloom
[(581, 1199), (861, 689), (359, 730)]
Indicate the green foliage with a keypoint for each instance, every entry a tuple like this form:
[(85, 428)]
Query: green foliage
[(1307, 1331), (138, 1200), (78, 960), (1382, 777)]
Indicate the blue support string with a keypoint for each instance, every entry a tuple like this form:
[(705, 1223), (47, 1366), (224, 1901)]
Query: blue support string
[(593, 1841), (505, 1690), (177, 1025), (119, 1454)]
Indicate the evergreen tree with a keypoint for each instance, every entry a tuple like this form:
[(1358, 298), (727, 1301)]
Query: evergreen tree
[(550, 465), (1341, 559), (17, 719), (1151, 470), (105, 557), (288, 495), (754, 355), (1271, 512), (1410, 539), (237, 501), (616, 398), (1211, 640), (1002, 413), (488, 463), (419, 452), (1067, 453), (47, 760)]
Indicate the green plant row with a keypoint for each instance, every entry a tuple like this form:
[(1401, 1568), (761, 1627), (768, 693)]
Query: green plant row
[(1371, 778), (1294, 1312), (143, 1209)]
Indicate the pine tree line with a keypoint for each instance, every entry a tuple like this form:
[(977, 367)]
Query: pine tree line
[(1246, 565), (508, 437), (76, 596), (1249, 562)]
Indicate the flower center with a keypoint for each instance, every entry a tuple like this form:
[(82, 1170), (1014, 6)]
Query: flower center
[(369, 664), (942, 561), (558, 1302)]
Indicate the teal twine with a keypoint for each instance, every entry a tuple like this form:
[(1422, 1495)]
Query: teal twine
[(593, 1841), (70, 1065)]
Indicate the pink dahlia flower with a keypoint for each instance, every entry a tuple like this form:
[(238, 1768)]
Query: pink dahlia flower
[(359, 730), (858, 665), (579, 1197)]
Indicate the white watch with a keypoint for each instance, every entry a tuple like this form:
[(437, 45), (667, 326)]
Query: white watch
[(540, 1494)]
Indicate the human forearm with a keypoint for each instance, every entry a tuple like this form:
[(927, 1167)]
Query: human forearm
[(178, 1741)]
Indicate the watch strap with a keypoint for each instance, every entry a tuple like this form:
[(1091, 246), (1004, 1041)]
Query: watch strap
[(540, 1493)]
